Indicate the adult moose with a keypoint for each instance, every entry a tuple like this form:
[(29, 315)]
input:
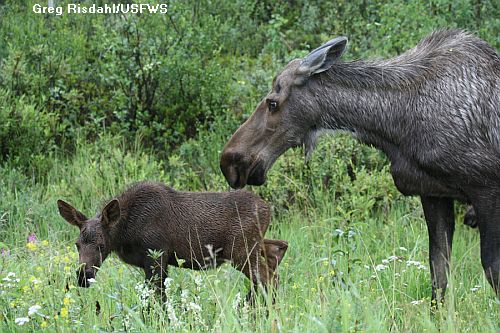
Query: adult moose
[(433, 110)]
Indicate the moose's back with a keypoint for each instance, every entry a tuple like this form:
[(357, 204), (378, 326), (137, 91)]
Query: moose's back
[(196, 225)]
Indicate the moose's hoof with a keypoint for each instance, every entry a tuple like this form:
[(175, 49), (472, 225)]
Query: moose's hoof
[(470, 218)]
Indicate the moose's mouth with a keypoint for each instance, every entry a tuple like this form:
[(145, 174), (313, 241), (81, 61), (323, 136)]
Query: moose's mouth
[(85, 277), (257, 174), (238, 176)]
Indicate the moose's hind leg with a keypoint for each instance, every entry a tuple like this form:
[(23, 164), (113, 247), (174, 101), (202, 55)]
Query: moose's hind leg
[(470, 218), (488, 215)]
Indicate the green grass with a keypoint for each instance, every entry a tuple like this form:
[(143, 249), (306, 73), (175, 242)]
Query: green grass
[(338, 235)]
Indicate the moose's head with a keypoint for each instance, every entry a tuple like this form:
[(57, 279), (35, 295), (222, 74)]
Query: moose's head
[(283, 119), (93, 243)]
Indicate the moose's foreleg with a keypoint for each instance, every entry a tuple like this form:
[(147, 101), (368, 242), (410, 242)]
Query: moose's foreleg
[(440, 219)]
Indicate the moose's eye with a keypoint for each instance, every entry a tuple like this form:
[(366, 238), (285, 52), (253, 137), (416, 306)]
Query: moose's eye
[(272, 105)]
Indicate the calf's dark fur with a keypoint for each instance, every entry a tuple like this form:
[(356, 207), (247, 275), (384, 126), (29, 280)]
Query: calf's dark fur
[(199, 230)]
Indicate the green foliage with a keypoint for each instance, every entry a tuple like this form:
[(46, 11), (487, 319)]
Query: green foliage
[(166, 77), (357, 259), (91, 103), (26, 133)]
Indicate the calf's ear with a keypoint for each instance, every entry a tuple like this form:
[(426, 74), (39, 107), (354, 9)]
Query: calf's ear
[(111, 213), (322, 58), (71, 214), (274, 251)]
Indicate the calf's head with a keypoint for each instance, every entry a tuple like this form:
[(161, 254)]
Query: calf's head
[(93, 243), (285, 118)]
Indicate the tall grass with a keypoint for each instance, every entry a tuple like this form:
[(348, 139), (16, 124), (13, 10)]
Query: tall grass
[(357, 259)]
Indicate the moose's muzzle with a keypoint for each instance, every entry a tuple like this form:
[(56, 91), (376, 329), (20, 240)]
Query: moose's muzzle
[(83, 275)]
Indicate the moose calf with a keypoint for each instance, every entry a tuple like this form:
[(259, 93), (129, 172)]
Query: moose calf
[(192, 230)]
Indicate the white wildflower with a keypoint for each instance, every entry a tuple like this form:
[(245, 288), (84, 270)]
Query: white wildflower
[(417, 264), (198, 281), (236, 301), (417, 302), (338, 232), (403, 248), (21, 321), (167, 283), (144, 293), (91, 280), (394, 258), (184, 297), (9, 276), (192, 306), (381, 267), (171, 315), (34, 309), (385, 261), (476, 288)]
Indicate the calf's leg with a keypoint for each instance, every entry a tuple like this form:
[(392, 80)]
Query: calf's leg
[(440, 219), (156, 272)]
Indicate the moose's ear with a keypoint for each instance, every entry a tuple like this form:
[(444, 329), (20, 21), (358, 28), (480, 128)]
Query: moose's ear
[(111, 213), (274, 251), (322, 58), (71, 214)]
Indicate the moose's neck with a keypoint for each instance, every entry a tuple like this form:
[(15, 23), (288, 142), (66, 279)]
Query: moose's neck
[(368, 98)]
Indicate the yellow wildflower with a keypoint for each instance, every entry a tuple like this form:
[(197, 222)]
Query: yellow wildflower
[(44, 324), (31, 246), (45, 242), (67, 301), (64, 312), (25, 289), (13, 304)]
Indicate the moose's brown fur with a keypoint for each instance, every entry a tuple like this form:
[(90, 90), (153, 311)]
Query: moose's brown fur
[(190, 229)]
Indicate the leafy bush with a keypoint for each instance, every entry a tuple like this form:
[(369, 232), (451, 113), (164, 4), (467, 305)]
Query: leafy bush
[(167, 77), (26, 133)]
